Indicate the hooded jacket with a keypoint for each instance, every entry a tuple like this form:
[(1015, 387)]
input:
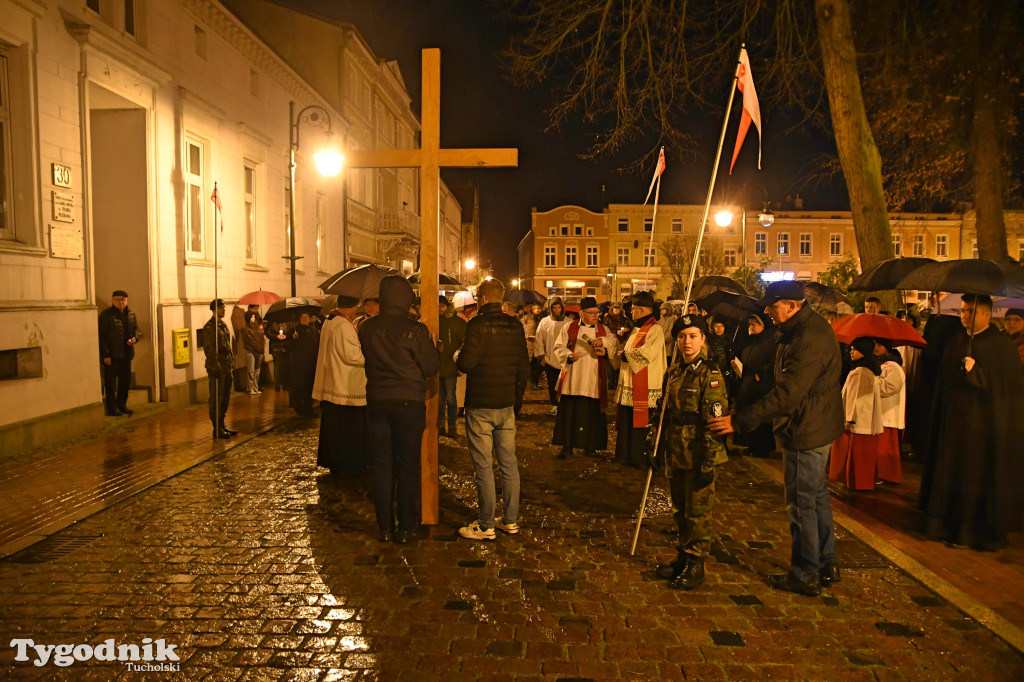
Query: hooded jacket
[(806, 403), (398, 351)]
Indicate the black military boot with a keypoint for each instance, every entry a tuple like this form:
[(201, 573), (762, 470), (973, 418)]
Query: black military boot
[(691, 577), (671, 570)]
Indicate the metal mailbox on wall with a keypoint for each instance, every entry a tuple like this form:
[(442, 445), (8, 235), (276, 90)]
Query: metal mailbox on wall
[(181, 340)]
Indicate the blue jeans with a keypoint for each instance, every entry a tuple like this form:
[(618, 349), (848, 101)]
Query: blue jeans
[(447, 399), (395, 432), (494, 430), (810, 510)]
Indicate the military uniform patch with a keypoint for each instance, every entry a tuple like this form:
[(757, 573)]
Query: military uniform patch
[(716, 409), (714, 384)]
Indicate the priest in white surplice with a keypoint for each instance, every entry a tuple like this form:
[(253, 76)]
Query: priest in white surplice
[(582, 351)]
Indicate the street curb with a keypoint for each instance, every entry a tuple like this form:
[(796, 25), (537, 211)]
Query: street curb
[(996, 624), (83, 513)]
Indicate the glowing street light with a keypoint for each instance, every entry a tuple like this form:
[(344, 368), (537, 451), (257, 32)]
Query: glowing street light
[(723, 218), (515, 283), (470, 263)]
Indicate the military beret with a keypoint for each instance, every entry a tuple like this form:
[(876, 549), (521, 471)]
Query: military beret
[(687, 321)]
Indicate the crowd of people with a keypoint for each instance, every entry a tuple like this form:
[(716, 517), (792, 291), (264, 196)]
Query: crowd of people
[(685, 388)]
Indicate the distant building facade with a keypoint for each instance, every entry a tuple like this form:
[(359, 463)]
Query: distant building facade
[(565, 253)]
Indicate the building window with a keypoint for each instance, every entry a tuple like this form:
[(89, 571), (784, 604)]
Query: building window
[(648, 256), (6, 158), (783, 243), (677, 225), (195, 196), (94, 5), (1020, 252), (941, 245), (553, 232), (623, 224), (761, 243), (570, 256), (730, 258), (577, 230), (129, 17), (549, 256), (622, 255), (564, 229), (835, 244), (918, 246), (321, 236), (591, 256), (974, 249), (648, 224), (590, 232), (251, 235), (805, 243), (897, 244)]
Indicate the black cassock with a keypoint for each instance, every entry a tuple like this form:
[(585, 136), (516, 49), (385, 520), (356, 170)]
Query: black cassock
[(970, 490)]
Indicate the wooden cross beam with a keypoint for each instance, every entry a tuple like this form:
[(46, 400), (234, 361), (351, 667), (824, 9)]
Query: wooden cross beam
[(429, 158)]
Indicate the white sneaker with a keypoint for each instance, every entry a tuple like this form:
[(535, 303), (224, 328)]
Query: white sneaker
[(474, 532), (553, 411), (510, 528)]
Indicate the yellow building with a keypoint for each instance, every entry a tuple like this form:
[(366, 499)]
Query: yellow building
[(565, 253)]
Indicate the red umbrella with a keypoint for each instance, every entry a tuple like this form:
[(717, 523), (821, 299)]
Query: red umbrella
[(886, 327), (259, 298)]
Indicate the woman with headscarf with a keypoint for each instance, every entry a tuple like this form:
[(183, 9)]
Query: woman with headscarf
[(755, 368), (854, 454), (642, 369)]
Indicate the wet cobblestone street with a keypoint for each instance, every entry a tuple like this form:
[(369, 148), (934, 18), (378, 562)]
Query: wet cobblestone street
[(258, 565)]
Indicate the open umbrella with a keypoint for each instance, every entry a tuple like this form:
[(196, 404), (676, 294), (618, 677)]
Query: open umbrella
[(360, 282), (823, 296), (259, 298), (702, 286), (886, 274), (967, 276), (894, 330), (442, 280), (289, 309), (523, 297), (729, 304)]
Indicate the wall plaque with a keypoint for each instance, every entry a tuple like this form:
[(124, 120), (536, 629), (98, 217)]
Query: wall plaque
[(64, 207), (61, 175), (66, 242)]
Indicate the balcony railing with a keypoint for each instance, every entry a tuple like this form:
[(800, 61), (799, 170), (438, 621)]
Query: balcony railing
[(398, 222)]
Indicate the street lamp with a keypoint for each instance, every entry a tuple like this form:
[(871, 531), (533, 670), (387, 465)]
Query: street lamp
[(515, 283), (328, 162), (724, 217)]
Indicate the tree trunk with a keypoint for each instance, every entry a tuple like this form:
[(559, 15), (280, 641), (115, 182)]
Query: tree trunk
[(858, 154)]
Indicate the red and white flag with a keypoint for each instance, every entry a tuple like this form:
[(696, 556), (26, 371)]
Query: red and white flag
[(658, 170), (215, 198), (751, 109)]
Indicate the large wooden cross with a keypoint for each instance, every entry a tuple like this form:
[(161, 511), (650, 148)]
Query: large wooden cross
[(429, 158)]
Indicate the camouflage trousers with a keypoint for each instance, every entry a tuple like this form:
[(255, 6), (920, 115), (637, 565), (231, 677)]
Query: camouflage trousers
[(693, 497)]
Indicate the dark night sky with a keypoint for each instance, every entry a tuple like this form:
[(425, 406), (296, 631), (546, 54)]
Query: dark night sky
[(480, 108)]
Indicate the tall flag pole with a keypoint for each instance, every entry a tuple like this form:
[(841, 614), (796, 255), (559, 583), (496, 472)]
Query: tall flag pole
[(218, 212), (714, 169), (656, 186)]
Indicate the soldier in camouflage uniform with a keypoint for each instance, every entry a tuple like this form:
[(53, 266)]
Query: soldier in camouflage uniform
[(220, 363), (694, 393)]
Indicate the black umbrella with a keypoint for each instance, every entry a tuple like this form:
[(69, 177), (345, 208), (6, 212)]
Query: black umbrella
[(289, 309), (729, 304), (823, 296), (967, 276), (523, 297), (702, 286), (360, 282), (442, 280), (887, 274)]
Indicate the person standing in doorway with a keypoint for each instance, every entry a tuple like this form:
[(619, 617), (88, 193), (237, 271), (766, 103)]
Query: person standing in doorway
[(119, 332), (220, 362)]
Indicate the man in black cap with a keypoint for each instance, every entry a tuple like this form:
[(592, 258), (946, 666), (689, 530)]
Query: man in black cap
[(582, 348), (220, 364), (119, 331), (806, 406)]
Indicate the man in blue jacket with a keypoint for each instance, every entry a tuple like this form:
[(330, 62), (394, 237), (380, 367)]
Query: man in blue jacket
[(497, 367), (399, 355)]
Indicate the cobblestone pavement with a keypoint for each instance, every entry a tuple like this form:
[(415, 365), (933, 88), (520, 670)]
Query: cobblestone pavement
[(258, 565)]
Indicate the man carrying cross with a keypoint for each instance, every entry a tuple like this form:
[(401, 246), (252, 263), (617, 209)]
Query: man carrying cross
[(582, 349)]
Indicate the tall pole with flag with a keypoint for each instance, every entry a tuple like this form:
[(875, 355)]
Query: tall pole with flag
[(751, 114), (218, 212), (656, 187)]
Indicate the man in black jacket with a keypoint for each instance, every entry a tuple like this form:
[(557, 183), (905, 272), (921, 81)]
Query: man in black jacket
[(399, 355), (806, 406), (119, 332), (496, 362)]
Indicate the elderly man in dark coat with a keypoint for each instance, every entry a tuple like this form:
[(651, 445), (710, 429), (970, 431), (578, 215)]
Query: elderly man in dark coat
[(970, 487), (119, 332)]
